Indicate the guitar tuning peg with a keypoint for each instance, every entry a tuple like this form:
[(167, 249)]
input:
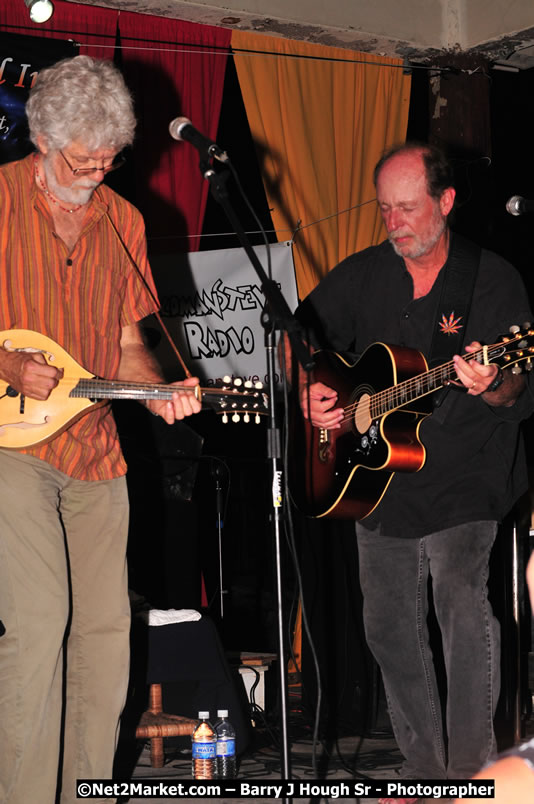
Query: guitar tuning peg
[(248, 384), (227, 378), (528, 365), (516, 369), (257, 418), (258, 385), (246, 418), (238, 381), (527, 325), (225, 418), (236, 417), (514, 329)]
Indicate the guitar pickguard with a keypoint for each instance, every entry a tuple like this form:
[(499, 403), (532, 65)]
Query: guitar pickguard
[(366, 442)]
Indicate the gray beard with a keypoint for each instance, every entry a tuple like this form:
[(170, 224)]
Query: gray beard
[(70, 195), (425, 245)]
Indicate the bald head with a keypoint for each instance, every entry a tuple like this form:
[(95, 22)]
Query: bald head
[(439, 175)]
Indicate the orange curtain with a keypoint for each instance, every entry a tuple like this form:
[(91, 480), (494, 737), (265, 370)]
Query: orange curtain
[(320, 118)]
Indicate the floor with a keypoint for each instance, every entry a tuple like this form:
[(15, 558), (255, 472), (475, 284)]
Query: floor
[(345, 760), (350, 759)]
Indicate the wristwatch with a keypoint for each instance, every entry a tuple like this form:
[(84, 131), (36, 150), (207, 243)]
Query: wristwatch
[(497, 382)]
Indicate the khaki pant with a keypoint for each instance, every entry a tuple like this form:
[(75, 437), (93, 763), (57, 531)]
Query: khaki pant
[(62, 577)]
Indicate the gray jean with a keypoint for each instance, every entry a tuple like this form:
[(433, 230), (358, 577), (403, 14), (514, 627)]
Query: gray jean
[(394, 579)]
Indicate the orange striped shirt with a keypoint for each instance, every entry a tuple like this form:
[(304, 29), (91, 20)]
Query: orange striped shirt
[(81, 299)]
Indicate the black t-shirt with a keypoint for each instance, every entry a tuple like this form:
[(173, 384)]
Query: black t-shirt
[(475, 467)]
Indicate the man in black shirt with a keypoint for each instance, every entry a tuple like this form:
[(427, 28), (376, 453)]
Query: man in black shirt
[(442, 520)]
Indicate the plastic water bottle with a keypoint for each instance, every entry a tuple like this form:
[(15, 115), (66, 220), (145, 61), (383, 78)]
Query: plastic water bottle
[(203, 745), (226, 765)]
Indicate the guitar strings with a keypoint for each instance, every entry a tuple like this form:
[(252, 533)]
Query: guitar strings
[(378, 402), (397, 395)]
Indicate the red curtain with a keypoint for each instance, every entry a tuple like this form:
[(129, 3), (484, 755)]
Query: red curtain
[(176, 68), (92, 27)]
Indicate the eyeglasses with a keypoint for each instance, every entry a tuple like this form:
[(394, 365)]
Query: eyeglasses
[(118, 161)]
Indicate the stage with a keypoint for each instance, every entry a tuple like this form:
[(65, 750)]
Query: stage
[(351, 760)]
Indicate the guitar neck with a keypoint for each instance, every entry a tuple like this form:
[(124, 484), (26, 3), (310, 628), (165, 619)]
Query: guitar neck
[(429, 381), (233, 400), (94, 388)]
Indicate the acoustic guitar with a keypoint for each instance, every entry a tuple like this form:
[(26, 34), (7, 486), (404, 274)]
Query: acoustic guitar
[(344, 473)]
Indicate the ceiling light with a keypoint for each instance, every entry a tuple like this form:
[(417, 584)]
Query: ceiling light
[(40, 10)]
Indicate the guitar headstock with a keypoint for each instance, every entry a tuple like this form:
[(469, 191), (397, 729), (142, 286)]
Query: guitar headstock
[(236, 400), (514, 348)]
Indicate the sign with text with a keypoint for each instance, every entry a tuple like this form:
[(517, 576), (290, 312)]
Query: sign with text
[(211, 303)]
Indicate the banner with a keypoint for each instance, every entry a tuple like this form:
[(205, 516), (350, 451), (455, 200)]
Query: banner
[(21, 58), (211, 303)]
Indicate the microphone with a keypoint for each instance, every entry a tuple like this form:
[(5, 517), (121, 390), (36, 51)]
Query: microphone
[(182, 129), (519, 206)]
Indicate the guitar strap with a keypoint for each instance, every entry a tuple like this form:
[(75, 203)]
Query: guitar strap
[(455, 302)]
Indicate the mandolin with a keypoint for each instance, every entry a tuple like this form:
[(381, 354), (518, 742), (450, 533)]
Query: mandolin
[(25, 422)]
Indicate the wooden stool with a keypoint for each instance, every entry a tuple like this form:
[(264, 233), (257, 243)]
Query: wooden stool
[(155, 724)]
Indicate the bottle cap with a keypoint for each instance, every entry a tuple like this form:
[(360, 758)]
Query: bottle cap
[(222, 712), (203, 715)]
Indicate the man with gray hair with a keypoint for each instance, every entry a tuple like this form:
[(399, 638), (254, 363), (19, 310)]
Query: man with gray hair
[(73, 268)]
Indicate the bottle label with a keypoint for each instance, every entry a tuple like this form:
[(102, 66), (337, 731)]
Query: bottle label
[(226, 748), (203, 750)]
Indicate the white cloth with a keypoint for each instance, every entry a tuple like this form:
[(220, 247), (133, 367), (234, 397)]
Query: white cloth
[(169, 616)]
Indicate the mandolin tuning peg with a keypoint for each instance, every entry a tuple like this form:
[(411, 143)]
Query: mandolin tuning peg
[(258, 385), (257, 418), (227, 379), (246, 418), (516, 369), (236, 417), (514, 329), (527, 325), (248, 384), (225, 418), (238, 381), (528, 365)]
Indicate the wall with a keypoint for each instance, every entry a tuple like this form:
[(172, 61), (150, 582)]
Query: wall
[(489, 19), (423, 23)]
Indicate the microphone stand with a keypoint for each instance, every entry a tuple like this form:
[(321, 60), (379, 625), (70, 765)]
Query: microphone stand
[(216, 473), (276, 315)]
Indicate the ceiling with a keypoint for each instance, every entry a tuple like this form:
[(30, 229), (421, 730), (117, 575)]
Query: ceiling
[(426, 30)]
